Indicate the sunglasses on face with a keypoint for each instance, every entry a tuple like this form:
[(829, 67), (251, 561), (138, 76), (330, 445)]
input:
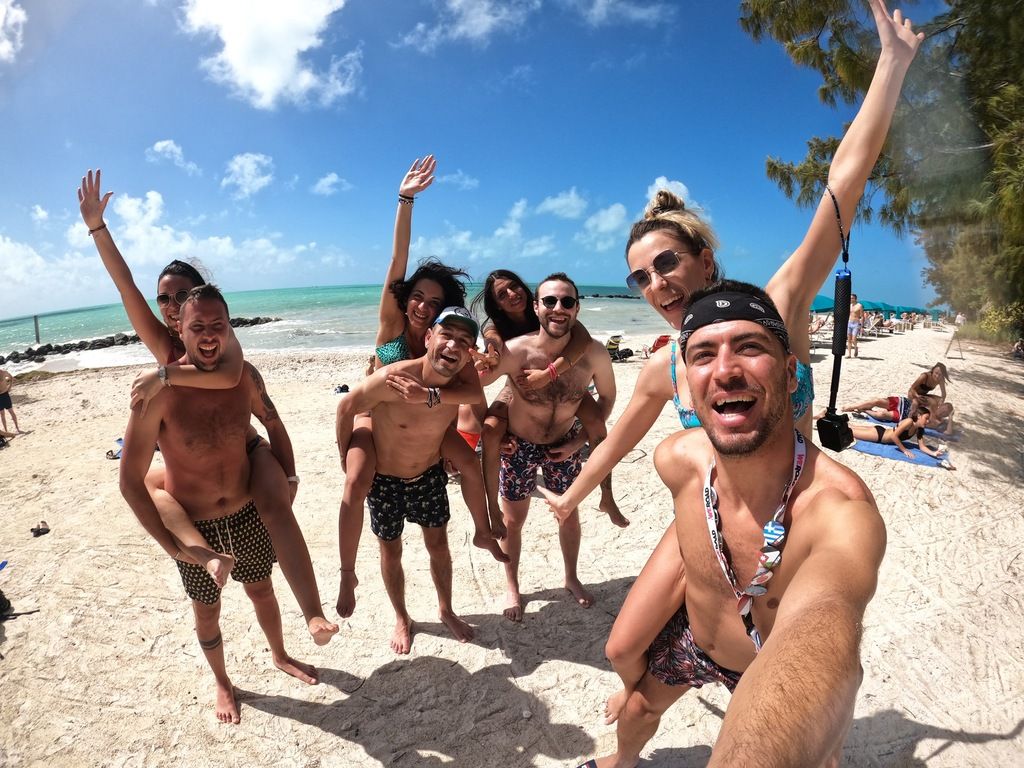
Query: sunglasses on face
[(568, 302), (663, 264), (163, 299)]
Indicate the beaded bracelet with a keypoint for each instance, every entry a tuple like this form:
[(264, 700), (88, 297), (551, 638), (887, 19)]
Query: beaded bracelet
[(405, 199), (552, 371)]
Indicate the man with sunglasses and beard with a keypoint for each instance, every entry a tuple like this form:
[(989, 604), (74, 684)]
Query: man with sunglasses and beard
[(780, 546), (410, 483), (543, 431)]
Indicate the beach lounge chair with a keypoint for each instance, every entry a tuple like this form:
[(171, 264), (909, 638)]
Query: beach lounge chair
[(659, 342)]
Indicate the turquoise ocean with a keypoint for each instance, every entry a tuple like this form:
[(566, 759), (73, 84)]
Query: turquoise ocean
[(327, 318)]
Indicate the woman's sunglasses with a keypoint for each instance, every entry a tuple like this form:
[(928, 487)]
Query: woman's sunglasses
[(568, 302), (663, 264), (163, 299)]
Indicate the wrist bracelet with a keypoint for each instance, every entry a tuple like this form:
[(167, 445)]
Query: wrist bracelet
[(405, 199), (433, 397), (101, 226), (552, 371), (294, 479)]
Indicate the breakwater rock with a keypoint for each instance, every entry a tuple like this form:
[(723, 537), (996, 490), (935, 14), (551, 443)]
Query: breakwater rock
[(610, 296), (40, 353)]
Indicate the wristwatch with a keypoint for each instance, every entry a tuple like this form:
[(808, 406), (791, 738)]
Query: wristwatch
[(161, 373)]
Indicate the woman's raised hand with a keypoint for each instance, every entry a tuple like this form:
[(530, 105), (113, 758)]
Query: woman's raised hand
[(419, 177), (895, 33), (90, 202)]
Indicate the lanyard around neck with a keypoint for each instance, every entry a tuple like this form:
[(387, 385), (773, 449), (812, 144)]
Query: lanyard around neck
[(771, 551)]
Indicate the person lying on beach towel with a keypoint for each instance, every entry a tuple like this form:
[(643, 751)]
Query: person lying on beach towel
[(895, 408), (910, 427)]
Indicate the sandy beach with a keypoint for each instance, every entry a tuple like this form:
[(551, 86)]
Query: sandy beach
[(102, 666)]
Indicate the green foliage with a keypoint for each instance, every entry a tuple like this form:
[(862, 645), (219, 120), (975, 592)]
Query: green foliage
[(952, 170), (1004, 323)]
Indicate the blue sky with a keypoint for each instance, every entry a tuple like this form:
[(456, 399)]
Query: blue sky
[(268, 139)]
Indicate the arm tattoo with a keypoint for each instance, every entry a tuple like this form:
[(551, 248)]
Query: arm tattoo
[(268, 405)]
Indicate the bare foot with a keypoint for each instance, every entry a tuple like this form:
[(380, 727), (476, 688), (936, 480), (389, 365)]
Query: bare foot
[(460, 630), (613, 707), (322, 630), (401, 638), (227, 704), (514, 606), (347, 594), (610, 508), (219, 567), (484, 541), (583, 597), (305, 672)]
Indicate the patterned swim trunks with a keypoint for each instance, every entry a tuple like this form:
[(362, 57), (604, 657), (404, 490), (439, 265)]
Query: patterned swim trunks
[(242, 535), (518, 476), (675, 659), (422, 500)]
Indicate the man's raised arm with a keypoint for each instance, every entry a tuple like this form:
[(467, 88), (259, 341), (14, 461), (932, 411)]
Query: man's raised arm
[(794, 703), (136, 456)]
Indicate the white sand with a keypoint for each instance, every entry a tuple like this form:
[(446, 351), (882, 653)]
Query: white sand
[(108, 672)]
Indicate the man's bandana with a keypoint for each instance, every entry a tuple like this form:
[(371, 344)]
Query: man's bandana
[(730, 305)]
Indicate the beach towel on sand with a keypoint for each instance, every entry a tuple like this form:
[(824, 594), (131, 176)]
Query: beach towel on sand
[(894, 453)]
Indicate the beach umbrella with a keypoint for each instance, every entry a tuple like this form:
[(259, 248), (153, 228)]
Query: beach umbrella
[(871, 306), (822, 303)]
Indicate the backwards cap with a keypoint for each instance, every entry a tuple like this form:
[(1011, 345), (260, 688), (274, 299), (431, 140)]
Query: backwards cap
[(458, 315)]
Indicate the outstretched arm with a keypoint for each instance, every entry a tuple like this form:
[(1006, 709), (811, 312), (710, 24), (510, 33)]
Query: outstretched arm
[(793, 287), (151, 330), (227, 375), (465, 388), (419, 176), (579, 342), (795, 701)]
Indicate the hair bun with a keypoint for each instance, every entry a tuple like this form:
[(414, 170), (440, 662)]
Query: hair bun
[(663, 201)]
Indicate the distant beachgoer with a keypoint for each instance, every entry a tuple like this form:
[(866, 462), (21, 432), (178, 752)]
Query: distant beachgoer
[(273, 486), (853, 326), (895, 408), (6, 405), (544, 431), (920, 390), (408, 308), (911, 427), (207, 472), (409, 482), (509, 306), (1018, 349), (781, 547), (961, 318), (672, 254)]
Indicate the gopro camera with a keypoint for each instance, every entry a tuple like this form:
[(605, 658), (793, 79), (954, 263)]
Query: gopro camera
[(834, 431)]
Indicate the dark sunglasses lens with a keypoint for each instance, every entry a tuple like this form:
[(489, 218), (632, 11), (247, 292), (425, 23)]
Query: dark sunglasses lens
[(637, 281), (162, 299), (180, 296), (568, 302), (665, 262)]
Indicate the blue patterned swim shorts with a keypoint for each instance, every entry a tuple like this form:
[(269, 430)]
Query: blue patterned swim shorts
[(518, 476)]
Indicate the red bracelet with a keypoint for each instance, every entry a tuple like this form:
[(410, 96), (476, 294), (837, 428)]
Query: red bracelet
[(552, 371)]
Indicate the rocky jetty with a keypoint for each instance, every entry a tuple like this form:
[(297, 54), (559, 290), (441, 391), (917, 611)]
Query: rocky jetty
[(40, 353), (610, 296)]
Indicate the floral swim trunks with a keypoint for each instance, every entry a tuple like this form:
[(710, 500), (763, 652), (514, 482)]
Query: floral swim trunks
[(518, 476), (422, 500), (242, 535), (675, 659)]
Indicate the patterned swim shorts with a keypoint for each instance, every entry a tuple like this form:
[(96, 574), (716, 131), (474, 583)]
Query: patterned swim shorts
[(422, 500), (518, 476), (675, 659), (242, 535)]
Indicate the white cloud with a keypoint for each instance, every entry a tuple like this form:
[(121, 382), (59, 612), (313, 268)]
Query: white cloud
[(39, 214), (459, 179), (263, 43), (474, 21), (167, 149), (505, 243), (248, 173), (600, 12), (330, 184), (12, 25), (605, 229), (564, 205)]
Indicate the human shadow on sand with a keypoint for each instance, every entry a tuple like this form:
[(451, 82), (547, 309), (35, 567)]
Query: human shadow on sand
[(884, 738), (429, 711)]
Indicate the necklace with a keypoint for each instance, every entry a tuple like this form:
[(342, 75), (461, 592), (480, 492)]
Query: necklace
[(774, 537)]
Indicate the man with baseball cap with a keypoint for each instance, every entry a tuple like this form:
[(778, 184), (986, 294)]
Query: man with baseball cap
[(410, 483)]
